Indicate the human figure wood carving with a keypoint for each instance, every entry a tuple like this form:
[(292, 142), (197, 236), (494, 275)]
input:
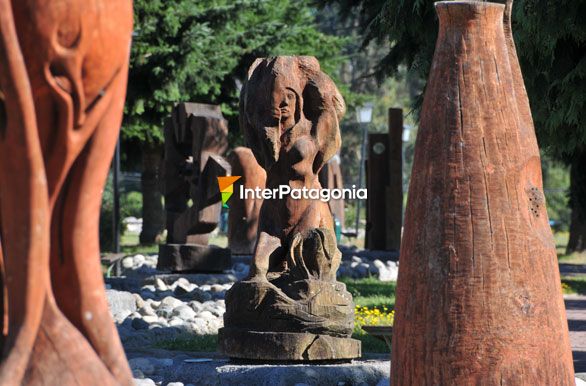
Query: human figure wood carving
[(244, 213), (63, 73), (291, 307)]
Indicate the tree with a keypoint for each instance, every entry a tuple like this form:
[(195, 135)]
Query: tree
[(199, 51), (550, 41)]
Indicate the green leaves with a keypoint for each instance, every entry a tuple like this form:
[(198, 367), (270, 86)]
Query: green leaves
[(199, 51), (550, 38)]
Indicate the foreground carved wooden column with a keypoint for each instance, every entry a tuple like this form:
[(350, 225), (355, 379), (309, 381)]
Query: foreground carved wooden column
[(479, 298), (291, 307), (63, 73)]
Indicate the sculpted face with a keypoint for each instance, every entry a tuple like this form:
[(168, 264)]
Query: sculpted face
[(284, 101)]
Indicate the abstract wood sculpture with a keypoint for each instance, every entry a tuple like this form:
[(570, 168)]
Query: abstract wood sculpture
[(478, 298), (244, 212), (196, 136), (291, 307), (63, 73)]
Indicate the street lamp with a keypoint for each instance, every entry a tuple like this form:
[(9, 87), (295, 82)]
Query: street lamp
[(364, 117)]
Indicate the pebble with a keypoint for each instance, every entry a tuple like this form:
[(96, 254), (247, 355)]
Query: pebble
[(184, 312), (139, 260), (150, 318), (160, 285), (128, 262), (170, 301), (144, 382), (146, 310)]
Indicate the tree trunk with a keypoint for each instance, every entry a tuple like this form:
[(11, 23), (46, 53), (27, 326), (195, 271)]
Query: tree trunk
[(577, 241), (153, 215)]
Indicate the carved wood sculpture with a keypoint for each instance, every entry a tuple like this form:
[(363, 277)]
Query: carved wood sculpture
[(63, 73), (478, 298), (244, 212), (291, 307), (330, 177), (196, 136)]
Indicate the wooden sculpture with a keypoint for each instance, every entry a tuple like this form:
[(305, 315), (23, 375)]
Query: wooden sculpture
[(479, 298), (196, 136), (244, 212), (63, 73), (291, 307), (331, 177)]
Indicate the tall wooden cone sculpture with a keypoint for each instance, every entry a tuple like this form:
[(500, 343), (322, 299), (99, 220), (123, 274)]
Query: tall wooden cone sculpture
[(479, 299)]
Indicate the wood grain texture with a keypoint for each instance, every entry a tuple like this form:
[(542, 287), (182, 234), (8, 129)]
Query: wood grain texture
[(244, 213), (63, 73), (478, 298), (290, 112)]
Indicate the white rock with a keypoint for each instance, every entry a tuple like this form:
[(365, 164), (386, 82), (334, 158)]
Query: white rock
[(175, 384), (163, 321), (217, 288), (146, 310), (160, 285), (153, 303), (120, 316), (139, 301), (206, 315), (199, 326), (139, 260), (182, 281), (196, 306), (356, 259), (176, 322), (128, 262), (184, 312), (205, 287), (170, 301), (150, 318), (144, 382)]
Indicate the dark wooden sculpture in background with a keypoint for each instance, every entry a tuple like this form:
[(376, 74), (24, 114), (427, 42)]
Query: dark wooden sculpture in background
[(478, 297), (291, 307), (63, 72), (196, 136), (244, 212)]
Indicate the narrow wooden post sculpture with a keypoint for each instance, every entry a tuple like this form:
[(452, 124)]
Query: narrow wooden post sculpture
[(243, 214), (291, 307), (479, 298), (63, 73), (196, 136)]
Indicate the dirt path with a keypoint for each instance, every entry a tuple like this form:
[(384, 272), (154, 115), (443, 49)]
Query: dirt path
[(576, 311)]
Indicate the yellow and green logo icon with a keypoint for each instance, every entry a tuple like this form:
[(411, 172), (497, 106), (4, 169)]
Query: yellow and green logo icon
[(226, 185)]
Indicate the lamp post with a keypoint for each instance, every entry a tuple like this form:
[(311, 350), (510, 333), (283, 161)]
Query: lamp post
[(364, 117)]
